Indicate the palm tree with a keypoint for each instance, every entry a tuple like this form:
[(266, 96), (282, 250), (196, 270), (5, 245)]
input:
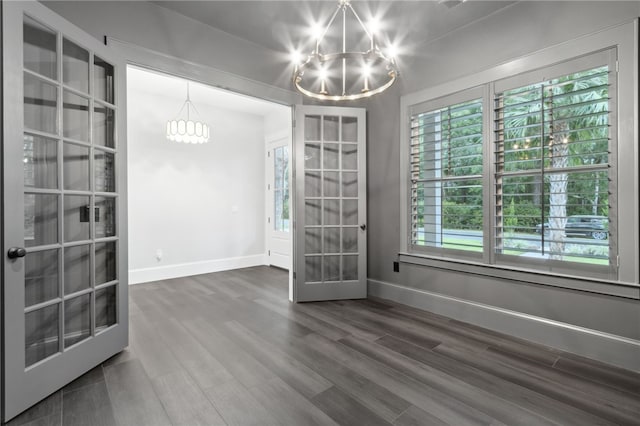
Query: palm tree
[(564, 125)]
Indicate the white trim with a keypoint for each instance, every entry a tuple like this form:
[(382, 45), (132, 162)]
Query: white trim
[(609, 348), (144, 275), (151, 59), (526, 275), (275, 137)]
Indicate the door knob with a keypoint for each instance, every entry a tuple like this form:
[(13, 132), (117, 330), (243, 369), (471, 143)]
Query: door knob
[(16, 252), (363, 227)]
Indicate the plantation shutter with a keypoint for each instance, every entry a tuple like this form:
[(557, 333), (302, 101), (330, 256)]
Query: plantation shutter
[(446, 176), (552, 156)]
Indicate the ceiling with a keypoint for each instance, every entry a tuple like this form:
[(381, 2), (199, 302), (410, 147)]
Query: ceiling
[(172, 87), (282, 25)]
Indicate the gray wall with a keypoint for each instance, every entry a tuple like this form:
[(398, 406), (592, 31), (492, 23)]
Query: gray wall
[(159, 29), (513, 32)]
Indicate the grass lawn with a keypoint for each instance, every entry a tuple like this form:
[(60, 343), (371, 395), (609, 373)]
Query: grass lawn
[(460, 243)]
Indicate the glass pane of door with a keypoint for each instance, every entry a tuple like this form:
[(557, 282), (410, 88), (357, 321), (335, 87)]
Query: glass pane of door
[(62, 172), (335, 236)]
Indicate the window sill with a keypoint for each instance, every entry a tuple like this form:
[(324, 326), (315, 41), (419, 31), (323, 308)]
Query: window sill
[(606, 287)]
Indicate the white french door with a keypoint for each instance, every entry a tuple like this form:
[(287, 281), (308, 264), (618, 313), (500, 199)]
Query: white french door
[(64, 218), (330, 217), (278, 206)]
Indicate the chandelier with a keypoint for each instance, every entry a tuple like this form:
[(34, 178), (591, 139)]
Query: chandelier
[(356, 69), (187, 131)]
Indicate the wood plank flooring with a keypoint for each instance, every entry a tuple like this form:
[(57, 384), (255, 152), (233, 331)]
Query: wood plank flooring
[(229, 349)]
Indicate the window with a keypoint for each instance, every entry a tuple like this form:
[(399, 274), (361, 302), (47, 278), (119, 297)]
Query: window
[(552, 166), (522, 172), (281, 189), (446, 176)]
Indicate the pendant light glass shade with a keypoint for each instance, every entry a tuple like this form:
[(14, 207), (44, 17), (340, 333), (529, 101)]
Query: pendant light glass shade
[(187, 131)]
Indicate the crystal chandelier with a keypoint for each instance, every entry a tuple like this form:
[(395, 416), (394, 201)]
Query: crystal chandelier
[(187, 131), (350, 72)]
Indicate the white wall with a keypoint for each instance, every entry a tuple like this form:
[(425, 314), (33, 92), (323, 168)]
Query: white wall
[(277, 124), (201, 205)]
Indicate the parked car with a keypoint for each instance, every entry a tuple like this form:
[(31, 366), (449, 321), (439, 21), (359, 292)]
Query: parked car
[(583, 226)]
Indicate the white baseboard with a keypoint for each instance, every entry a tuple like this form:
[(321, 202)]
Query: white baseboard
[(165, 272), (605, 347)]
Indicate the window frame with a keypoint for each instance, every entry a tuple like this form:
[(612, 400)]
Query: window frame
[(623, 39), (605, 57), (463, 96)]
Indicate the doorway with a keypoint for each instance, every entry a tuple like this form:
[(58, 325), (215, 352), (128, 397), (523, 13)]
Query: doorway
[(278, 202), (198, 208)]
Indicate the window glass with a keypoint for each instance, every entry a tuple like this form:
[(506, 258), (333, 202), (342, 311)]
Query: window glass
[(281, 189), (552, 168), (446, 177)]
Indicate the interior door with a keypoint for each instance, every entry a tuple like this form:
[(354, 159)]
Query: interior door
[(278, 215), (330, 220), (65, 271)]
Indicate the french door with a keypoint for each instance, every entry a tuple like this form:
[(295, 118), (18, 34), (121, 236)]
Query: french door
[(64, 217), (330, 221)]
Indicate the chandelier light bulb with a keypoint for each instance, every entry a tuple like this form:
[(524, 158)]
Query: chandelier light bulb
[(392, 51), (317, 31), (366, 70), (323, 74), (374, 26), (296, 57)]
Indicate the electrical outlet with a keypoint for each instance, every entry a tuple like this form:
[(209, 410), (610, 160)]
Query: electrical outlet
[(396, 266), (158, 255)]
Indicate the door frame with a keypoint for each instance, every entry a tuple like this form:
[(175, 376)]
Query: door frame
[(152, 60), (271, 142), (81, 358)]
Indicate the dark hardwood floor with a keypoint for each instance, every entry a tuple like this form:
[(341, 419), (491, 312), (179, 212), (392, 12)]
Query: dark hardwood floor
[(228, 348)]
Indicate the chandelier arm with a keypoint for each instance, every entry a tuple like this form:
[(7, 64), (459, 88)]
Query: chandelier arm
[(364, 27), (184, 104), (194, 107), (188, 102), (326, 29)]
